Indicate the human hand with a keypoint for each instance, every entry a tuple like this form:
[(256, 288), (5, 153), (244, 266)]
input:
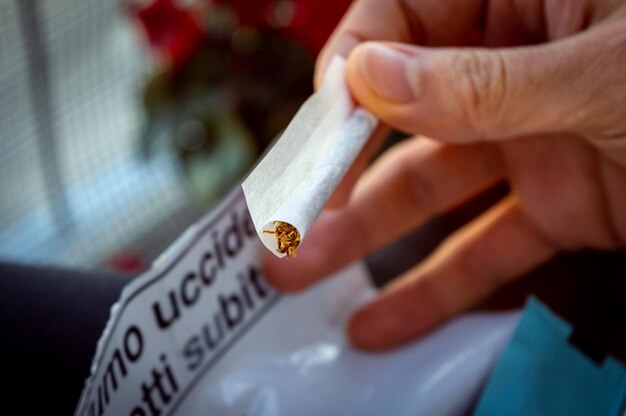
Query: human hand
[(549, 118)]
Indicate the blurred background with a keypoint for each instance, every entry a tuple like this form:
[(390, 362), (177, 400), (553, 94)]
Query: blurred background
[(122, 122)]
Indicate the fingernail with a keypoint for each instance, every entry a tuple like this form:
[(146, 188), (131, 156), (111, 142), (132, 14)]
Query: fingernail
[(393, 75)]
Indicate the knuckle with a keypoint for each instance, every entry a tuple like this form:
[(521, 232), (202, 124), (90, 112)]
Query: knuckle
[(419, 189), (432, 299), (422, 190), (479, 82), (476, 264)]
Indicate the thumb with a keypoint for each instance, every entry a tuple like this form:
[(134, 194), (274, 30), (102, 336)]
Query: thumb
[(471, 94)]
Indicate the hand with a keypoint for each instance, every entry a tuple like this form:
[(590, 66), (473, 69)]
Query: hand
[(549, 118)]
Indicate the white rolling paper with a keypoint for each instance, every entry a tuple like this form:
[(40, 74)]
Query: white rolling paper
[(298, 175)]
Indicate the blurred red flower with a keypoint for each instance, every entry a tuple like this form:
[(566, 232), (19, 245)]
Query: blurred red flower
[(172, 31), (309, 22)]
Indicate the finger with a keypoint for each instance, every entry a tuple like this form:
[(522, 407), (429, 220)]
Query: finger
[(340, 197), (410, 183), (496, 248), (415, 21), (472, 94)]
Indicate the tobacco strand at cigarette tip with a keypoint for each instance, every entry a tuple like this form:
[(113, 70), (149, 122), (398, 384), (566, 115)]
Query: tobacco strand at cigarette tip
[(287, 237)]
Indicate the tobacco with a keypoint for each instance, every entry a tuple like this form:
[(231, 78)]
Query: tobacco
[(287, 236)]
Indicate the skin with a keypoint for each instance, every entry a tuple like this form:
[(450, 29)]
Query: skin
[(532, 92)]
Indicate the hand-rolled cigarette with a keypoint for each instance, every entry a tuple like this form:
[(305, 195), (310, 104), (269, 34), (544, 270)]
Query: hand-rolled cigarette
[(288, 189)]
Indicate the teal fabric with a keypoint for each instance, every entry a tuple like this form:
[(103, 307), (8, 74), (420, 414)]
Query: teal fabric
[(541, 373)]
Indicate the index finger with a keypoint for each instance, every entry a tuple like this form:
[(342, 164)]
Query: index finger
[(411, 183), (424, 22)]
